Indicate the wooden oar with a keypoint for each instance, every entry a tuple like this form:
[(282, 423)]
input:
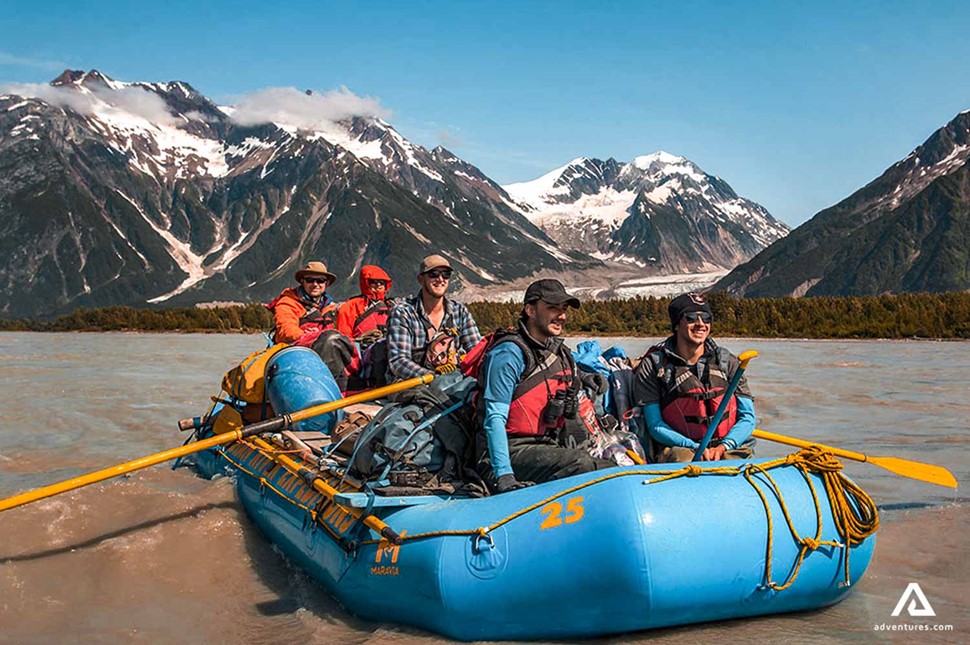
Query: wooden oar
[(728, 393), (913, 469), (270, 425)]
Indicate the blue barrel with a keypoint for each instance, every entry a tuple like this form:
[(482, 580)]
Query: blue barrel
[(297, 379)]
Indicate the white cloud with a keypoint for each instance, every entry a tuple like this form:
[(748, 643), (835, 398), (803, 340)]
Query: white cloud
[(13, 60), (132, 99), (290, 106)]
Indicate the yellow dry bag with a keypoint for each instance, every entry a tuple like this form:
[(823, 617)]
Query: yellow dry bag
[(245, 382)]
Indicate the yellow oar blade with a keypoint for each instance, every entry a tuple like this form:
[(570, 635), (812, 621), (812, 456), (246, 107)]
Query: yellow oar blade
[(913, 469), (916, 470), (274, 424)]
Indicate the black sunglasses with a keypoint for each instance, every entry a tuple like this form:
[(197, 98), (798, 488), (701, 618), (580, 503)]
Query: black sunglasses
[(434, 275), (377, 283), (317, 280), (694, 316)]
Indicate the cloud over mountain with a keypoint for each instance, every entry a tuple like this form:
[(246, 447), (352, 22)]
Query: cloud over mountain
[(305, 111), (131, 99)]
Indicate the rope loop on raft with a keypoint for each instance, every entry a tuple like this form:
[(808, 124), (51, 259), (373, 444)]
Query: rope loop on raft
[(854, 512)]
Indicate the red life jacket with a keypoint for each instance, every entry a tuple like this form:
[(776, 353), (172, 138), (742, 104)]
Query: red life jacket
[(688, 403), (373, 317), (548, 371), (471, 363)]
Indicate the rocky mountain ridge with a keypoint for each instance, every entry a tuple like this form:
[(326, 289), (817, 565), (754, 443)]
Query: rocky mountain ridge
[(660, 212), (133, 193), (908, 230)]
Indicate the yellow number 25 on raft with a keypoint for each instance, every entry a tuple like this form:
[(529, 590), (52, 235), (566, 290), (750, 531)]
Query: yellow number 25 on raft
[(574, 513)]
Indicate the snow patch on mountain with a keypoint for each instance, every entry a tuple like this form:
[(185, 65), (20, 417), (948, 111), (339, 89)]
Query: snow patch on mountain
[(914, 182), (187, 260), (607, 208), (584, 203), (537, 192)]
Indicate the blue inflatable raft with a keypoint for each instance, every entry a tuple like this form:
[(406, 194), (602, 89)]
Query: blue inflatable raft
[(625, 549)]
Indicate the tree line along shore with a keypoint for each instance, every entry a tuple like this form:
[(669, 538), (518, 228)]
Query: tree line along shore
[(911, 315)]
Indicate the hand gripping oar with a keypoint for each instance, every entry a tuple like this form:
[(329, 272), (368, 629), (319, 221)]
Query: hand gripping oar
[(913, 469), (270, 425), (728, 393)]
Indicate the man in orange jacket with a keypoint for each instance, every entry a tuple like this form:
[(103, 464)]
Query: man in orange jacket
[(306, 315), (307, 310)]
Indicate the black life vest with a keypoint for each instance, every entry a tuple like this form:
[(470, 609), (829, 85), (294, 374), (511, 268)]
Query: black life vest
[(688, 402)]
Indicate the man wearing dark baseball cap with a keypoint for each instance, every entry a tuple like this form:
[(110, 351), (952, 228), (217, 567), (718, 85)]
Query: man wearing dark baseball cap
[(680, 384), (529, 387), (550, 291)]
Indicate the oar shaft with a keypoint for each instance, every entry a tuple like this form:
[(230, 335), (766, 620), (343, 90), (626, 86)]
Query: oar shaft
[(270, 425), (800, 443), (732, 386), (115, 471), (361, 397)]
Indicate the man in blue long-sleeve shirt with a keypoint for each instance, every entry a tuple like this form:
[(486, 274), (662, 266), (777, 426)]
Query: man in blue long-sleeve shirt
[(530, 382), (680, 384)]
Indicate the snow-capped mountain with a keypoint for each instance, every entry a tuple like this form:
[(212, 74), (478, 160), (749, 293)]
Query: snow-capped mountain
[(134, 193), (659, 211), (907, 230)]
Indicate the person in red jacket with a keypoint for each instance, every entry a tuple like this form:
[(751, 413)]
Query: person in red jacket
[(365, 315)]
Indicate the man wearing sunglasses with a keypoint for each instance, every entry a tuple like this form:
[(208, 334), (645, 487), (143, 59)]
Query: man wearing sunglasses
[(429, 332), (529, 388), (365, 315), (306, 315), (306, 308), (680, 384)]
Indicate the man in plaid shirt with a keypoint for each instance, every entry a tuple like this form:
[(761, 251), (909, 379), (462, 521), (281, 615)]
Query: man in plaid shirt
[(428, 333)]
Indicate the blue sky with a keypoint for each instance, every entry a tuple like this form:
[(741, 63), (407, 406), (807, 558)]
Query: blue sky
[(795, 106)]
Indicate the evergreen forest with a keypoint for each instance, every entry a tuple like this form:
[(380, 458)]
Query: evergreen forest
[(911, 315)]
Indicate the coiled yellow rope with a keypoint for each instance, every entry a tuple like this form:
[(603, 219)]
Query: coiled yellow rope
[(853, 511)]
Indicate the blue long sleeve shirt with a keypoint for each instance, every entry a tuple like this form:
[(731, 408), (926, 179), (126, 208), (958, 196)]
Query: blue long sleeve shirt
[(503, 367)]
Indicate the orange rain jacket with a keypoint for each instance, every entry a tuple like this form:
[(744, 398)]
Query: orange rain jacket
[(351, 310), (290, 307)]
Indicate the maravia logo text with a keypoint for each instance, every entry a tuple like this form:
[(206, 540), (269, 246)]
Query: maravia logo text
[(918, 606)]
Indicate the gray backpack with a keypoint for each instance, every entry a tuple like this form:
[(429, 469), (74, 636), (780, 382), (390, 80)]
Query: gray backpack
[(425, 431)]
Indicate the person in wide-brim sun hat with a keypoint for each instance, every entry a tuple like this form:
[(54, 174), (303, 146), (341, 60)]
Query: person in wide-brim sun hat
[(306, 307), (316, 269)]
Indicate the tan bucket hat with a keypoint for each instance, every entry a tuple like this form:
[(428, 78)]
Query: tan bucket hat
[(314, 268)]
